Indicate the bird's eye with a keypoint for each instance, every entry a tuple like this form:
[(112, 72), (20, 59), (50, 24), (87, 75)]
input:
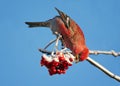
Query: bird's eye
[(68, 22)]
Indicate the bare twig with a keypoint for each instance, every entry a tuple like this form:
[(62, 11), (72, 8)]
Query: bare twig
[(96, 64), (50, 43), (49, 52), (91, 52), (45, 51), (112, 52), (57, 41)]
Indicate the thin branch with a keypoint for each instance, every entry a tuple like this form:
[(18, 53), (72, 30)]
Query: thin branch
[(112, 52), (45, 51), (91, 52), (99, 66), (57, 41), (49, 52), (50, 43)]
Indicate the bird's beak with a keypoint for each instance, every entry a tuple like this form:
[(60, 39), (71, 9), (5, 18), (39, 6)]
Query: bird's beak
[(64, 17), (77, 58)]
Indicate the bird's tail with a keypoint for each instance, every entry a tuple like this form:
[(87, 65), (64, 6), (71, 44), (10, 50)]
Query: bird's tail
[(38, 24)]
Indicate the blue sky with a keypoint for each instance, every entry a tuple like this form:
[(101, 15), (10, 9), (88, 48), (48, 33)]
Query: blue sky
[(19, 55)]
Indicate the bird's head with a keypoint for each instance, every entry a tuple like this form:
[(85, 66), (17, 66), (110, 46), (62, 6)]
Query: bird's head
[(65, 18), (82, 55)]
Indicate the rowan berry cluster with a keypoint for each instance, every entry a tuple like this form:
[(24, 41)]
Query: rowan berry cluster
[(57, 63)]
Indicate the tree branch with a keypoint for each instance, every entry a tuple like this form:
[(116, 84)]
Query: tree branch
[(45, 51), (91, 52), (50, 43), (99, 66), (112, 52)]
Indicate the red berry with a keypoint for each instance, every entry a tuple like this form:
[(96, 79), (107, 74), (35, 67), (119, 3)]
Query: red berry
[(61, 58), (58, 71), (71, 59), (42, 62), (63, 71), (70, 64), (54, 63)]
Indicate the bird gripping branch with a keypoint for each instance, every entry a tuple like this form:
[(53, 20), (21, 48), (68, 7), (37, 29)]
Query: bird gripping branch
[(72, 35)]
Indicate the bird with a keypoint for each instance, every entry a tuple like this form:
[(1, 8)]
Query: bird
[(72, 35)]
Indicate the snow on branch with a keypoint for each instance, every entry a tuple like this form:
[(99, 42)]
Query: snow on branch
[(112, 52), (91, 52), (102, 68)]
